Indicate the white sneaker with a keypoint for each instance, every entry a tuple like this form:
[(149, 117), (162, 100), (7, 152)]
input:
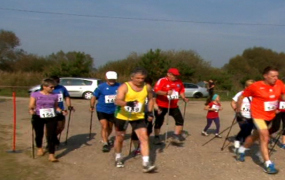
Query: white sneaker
[(218, 136), (204, 133)]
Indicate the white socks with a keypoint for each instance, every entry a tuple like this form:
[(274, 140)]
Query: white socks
[(118, 156), (145, 160), (241, 149), (236, 144), (267, 163)]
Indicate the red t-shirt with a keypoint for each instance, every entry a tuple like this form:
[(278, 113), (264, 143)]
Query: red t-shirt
[(164, 84), (213, 114), (264, 99)]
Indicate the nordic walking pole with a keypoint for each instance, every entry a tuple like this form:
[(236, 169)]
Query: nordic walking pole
[(33, 142), (222, 148), (90, 128), (219, 134), (276, 141), (167, 117), (67, 126), (125, 127)]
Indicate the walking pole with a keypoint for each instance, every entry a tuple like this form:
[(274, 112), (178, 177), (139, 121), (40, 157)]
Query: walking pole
[(222, 148), (33, 143), (186, 133), (167, 118), (276, 141), (67, 127), (219, 134), (90, 128)]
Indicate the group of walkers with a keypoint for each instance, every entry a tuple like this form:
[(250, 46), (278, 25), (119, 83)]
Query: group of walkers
[(136, 103)]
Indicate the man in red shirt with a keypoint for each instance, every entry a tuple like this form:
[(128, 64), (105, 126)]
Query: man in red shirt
[(168, 89), (265, 95)]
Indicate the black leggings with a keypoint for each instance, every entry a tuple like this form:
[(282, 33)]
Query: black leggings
[(275, 126), (245, 129), (51, 126)]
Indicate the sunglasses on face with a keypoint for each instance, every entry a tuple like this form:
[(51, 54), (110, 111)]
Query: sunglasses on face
[(52, 87)]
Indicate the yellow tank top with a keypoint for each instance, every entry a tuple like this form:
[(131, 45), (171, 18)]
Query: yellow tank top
[(126, 113)]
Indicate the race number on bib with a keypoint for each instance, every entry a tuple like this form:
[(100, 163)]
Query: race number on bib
[(216, 107), (47, 113), (245, 107), (60, 98), (136, 109), (174, 95), (282, 105), (270, 105), (110, 99)]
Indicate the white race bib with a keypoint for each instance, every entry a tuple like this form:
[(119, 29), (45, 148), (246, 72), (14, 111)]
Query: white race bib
[(282, 105), (60, 97), (47, 113), (110, 99), (270, 105), (174, 95), (245, 107), (137, 108)]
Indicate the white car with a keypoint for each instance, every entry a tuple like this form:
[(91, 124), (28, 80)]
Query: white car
[(194, 90), (77, 87)]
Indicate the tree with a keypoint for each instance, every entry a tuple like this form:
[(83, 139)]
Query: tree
[(8, 52)]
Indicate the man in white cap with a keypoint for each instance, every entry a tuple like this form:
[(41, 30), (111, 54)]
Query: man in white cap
[(105, 94)]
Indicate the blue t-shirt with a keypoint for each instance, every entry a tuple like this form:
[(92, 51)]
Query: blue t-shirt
[(62, 94), (105, 95)]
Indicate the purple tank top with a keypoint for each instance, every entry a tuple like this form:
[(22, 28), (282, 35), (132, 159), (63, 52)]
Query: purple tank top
[(44, 101)]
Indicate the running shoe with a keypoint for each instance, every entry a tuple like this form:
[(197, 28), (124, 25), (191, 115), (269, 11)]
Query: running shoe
[(111, 143), (270, 169), (204, 133), (119, 163), (149, 168), (157, 141), (218, 136), (181, 137), (240, 156), (106, 148), (176, 140)]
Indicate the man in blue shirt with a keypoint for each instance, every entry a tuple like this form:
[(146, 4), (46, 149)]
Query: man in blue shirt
[(63, 95), (105, 95)]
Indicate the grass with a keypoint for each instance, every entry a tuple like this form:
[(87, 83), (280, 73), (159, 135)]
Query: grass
[(9, 92), (17, 166)]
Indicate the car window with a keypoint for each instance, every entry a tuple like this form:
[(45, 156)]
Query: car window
[(193, 86), (87, 83), (65, 82)]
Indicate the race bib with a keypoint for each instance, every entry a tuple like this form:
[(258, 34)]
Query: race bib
[(270, 105), (282, 105), (60, 98), (245, 107), (174, 95), (216, 107), (136, 109), (47, 113), (110, 99)]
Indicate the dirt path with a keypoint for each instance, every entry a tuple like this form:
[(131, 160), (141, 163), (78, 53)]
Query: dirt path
[(82, 158)]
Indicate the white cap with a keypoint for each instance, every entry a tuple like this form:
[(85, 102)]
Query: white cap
[(111, 75)]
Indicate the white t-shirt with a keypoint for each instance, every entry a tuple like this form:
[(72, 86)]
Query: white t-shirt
[(245, 107)]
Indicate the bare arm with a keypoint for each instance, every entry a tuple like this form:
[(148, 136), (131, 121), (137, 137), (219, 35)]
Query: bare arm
[(121, 93), (92, 103), (32, 105), (234, 105), (239, 103), (150, 98)]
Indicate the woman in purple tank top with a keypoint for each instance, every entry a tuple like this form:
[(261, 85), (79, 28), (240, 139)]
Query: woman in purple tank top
[(43, 107)]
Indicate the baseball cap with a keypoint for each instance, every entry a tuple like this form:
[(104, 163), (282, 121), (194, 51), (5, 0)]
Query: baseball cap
[(174, 71), (111, 75)]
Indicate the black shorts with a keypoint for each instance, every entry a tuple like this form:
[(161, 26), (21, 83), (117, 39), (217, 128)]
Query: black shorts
[(60, 117), (108, 117), (174, 112), (122, 125)]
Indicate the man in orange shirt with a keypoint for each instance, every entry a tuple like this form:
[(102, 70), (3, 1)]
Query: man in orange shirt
[(265, 95)]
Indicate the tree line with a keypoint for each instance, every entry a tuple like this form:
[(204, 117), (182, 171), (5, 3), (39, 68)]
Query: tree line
[(17, 65)]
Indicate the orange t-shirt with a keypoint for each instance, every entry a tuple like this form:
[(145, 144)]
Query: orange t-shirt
[(264, 99)]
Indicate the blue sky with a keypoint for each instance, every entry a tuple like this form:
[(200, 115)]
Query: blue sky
[(199, 25)]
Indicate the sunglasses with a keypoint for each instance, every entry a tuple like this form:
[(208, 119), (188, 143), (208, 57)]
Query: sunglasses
[(52, 87)]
